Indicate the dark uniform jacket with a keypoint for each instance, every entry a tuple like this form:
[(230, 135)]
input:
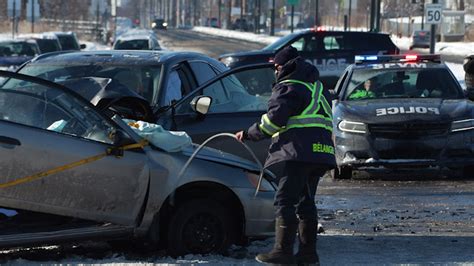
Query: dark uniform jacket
[(308, 144)]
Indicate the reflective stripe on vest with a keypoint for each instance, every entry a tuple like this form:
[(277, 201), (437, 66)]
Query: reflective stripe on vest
[(268, 127), (310, 117)]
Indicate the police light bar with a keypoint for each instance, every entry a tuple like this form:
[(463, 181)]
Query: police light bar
[(318, 28), (396, 58)]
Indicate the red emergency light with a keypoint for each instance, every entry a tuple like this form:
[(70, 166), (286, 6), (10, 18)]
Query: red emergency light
[(411, 57)]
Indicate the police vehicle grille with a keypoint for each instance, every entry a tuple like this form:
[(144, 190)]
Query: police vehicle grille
[(408, 130)]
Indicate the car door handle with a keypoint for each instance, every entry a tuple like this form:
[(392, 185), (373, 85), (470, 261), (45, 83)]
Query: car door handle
[(10, 141)]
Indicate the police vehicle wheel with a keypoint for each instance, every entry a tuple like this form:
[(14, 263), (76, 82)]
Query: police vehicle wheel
[(200, 227), (342, 172)]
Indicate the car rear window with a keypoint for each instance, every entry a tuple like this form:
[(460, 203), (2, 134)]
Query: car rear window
[(48, 45), (132, 45), (68, 42)]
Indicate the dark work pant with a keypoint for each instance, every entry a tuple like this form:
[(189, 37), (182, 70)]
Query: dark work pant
[(296, 189)]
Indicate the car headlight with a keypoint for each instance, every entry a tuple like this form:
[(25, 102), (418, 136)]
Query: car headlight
[(153, 24), (352, 127), (265, 185), (165, 24), (462, 125), (229, 60)]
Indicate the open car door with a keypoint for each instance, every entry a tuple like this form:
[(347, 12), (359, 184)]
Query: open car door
[(239, 99), (44, 126)]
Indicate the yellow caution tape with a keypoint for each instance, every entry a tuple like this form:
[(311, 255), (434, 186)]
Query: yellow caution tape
[(118, 152)]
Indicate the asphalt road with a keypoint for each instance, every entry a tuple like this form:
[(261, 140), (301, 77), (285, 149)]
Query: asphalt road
[(187, 40)]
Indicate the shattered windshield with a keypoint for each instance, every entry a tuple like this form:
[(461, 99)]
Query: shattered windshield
[(141, 79)]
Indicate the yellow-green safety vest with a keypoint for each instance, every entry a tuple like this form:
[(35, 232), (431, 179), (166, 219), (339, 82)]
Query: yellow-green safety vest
[(308, 118)]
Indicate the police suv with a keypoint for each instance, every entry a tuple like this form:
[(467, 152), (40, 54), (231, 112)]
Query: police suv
[(330, 51), (402, 112)]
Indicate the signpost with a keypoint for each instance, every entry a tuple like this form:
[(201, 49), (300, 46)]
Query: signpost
[(32, 13), (433, 14), (292, 3), (13, 9)]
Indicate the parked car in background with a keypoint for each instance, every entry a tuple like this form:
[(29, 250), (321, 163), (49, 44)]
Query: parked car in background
[(411, 116), (159, 24), (15, 52), (137, 42), (242, 24), (68, 40), (46, 42), (212, 22), (420, 39), (128, 194), (330, 51)]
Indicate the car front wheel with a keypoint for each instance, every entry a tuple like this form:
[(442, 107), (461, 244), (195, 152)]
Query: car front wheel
[(200, 227)]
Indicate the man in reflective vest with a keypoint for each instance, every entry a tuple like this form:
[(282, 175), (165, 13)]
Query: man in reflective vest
[(299, 121)]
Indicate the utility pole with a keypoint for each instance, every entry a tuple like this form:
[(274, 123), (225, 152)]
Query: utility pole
[(229, 15), (422, 14), (32, 16), (272, 19), (349, 17), (219, 12), (433, 34), (241, 24), (97, 21), (372, 15), (377, 25), (316, 17), (292, 17)]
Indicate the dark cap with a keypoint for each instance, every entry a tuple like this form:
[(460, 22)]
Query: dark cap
[(285, 55)]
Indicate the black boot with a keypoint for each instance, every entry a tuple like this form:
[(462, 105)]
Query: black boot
[(282, 252), (307, 254)]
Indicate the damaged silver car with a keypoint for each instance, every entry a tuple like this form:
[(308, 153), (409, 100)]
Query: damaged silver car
[(71, 171)]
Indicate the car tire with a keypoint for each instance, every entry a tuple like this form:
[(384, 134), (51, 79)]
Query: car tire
[(200, 227), (342, 172)]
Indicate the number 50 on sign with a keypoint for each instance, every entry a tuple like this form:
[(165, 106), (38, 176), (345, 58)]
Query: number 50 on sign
[(433, 13)]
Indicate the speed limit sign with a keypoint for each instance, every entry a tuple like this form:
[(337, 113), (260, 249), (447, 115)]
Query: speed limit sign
[(433, 13)]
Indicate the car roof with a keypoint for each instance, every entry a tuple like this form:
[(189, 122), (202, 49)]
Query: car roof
[(137, 57), (322, 31), (135, 37)]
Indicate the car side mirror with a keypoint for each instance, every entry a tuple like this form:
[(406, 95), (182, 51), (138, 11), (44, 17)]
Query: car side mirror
[(201, 104), (83, 46)]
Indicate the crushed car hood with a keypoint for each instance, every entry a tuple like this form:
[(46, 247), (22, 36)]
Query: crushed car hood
[(401, 110), (105, 93)]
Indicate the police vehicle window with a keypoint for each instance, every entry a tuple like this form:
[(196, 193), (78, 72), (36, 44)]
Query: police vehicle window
[(299, 43), (332, 42), (311, 44), (51, 109), (401, 83)]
